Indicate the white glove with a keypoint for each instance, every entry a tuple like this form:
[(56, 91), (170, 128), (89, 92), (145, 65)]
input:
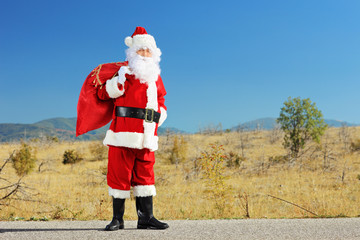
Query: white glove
[(123, 70)]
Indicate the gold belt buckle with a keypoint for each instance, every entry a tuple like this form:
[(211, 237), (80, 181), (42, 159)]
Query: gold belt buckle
[(147, 114)]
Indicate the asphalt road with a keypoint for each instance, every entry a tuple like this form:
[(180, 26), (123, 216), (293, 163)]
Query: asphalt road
[(335, 228)]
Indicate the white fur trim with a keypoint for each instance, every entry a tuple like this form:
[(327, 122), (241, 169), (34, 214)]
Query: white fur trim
[(144, 191), (112, 88), (151, 93), (163, 116), (130, 140), (149, 131), (149, 128), (119, 193), (141, 41)]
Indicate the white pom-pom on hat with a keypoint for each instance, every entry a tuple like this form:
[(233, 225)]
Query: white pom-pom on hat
[(128, 41)]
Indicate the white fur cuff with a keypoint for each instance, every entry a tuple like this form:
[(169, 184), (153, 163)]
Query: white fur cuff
[(112, 88), (163, 116), (144, 191), (119, 193)]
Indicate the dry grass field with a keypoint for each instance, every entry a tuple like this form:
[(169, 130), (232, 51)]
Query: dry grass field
[(254, 180)]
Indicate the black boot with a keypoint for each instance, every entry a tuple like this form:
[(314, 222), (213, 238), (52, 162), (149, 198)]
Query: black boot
[(118, 213), (146, 220)]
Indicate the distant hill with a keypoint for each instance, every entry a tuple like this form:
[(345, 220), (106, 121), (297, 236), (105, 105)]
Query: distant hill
[(270, 123), (337, 123), (162, 130), (10, 132), (261, 123), (59, 123), (63, 128)]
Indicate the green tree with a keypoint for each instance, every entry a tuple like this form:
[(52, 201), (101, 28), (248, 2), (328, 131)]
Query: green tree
[(301, 121)]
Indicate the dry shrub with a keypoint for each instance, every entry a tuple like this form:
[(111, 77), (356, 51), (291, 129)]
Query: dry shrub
[(71, 156), (233, 160), (213, 169), (279, 159), (98, 151), (355, 146), (179, 151), (24, 160), (103, 169)]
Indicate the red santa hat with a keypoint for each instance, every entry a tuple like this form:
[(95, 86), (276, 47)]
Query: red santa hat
[(141, 39)]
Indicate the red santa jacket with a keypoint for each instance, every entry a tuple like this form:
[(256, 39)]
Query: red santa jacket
[(133, 132)]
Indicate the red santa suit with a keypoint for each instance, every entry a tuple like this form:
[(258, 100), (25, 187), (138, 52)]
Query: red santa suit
[(132, 141)]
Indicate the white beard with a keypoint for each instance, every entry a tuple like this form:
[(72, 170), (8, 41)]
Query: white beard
[(146, 69)]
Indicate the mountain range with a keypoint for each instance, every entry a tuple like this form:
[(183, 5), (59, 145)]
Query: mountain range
[(64, 128), (270, 123)]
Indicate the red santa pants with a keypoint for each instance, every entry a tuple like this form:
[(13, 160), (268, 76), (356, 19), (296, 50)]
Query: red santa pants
[(130, 167)]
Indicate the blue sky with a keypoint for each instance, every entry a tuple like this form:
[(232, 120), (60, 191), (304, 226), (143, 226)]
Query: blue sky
[(223, 61)]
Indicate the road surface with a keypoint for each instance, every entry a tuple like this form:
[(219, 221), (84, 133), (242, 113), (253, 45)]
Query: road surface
[(331, 228)]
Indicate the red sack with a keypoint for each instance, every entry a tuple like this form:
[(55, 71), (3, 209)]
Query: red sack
[(93, 113)]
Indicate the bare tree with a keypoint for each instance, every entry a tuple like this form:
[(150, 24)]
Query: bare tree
[(345, 169), (12, 190), (261, 165), (211, 129), (259, 127), (327, 151), (275, 134), (344, 136), (243, 140), (168, 135)]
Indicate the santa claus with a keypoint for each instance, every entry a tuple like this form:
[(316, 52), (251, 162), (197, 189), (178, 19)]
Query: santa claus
[(133, 98)]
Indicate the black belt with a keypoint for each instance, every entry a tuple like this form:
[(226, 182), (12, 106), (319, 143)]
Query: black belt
[(148, 114)]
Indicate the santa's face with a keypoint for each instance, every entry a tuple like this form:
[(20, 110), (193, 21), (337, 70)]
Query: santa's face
[(144, 52)]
